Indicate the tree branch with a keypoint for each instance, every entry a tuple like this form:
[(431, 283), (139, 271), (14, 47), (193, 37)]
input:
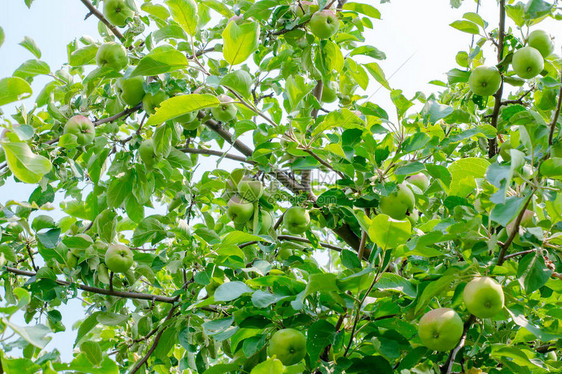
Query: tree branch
[(522, 253), (505, 246), (101, 291), (210, 152), (492, 143), (100, 16), (143, 360), (556, 115), (448, 366)]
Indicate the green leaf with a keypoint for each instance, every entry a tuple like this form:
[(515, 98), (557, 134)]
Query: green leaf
[(240, 41), (13, 89), (92, 351), (160, 60), (333, 57), (231, 291), (156, 10), (552, 168), (365, 9), (219, 6), (271, 366), (35, 335), (324, 282), (31, 46), (375, 70), (389, 233), (475, 17), (296, 89), (7, 253), (150, 229), (2, 36), (466, 26), (179, 105), (434, 289), (86, 326), (184, 12), (503, 213), (26, 166), (463, 174), (240, 81), (49, 239), (532, 272), (162, 141), (32, 68), (112, 319), (433, 111), (320, 334), (395, 282), (262, 299), (519, 318), (83, 56), (118, 190), (368, 50)]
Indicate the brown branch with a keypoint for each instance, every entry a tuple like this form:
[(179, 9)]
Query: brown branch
[(210, 152), (297, 239), (101, 291), (505, 246), (522, 253), (362, 244), (545, 348), (448, 365), (306, 174), (284, 31), (556, 115), (201, 53), (143, 360), (519, 100), (100, 16), (126, 113), (492, 143), (31, 257), (326, 164)]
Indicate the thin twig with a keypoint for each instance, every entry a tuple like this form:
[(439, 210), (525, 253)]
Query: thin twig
[(556, 115), (100, 16), (210, 152), (505, 246), (522, 253), (448, 366), (492, 143)]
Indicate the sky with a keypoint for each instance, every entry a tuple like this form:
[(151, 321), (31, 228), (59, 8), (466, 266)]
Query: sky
[(415, 35)]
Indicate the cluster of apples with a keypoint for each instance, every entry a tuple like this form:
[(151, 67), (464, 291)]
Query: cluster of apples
[(527, 63), (441, 329), (400, 204)]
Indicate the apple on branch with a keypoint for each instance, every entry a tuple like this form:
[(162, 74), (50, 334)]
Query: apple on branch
[(130, 90), (440, 329), (527, 62), (484, 80), (324, 24), (226, 110), (296, 220), (288, 345), (112, 55), (117, 12), (82, 128), (118, 258), (483, 297)]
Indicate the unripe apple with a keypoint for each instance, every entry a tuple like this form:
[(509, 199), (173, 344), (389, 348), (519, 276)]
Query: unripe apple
[(239, 210), (527, 62), (226, 110), (186, 118), (296, 220), (483, 297), (399, 203), (440, 329), (82, 128), (284, 253), (150, 102), (413, 217), (288, 345), (542, 42), (250, 189), (147, 154), (130, 90), (419, 180), (118, 258), (112, 55), (117, 12), (324, 24), (484, 80), (266, 222), (526, 220)]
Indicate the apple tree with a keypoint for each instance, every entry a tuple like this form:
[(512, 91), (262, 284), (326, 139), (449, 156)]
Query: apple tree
[(215, 187)]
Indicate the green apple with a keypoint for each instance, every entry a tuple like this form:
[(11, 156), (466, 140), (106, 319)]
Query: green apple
[(130, 90), (82, 128), (484, 80), (413, 217), (266, 222), (505, 151), (226, 111), (186, 119), (419, 180), (117, 12), (527, 62), (526, 220), (542, 42), (288, 345), (296, 220), (483, 297), (112, 55), (440, 329), (399, 203), (150, 102), (551, 356), (329, 94), (147, 154), (284, 252), (250, 189), (118, 258), (556, 149), (324, 24), (239, 210), (546, 99)]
